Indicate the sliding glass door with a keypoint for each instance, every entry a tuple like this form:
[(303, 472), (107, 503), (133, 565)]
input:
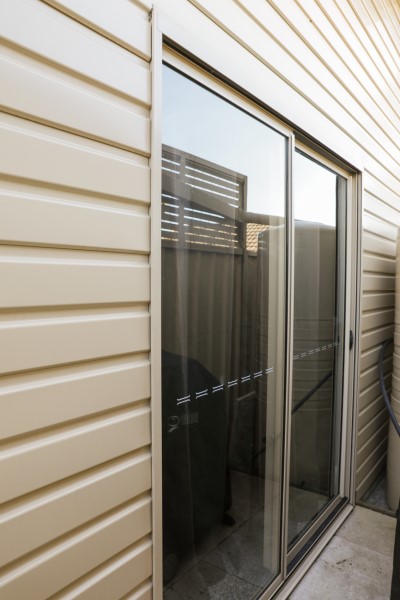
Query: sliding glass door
[(319, 206), (253, 235)]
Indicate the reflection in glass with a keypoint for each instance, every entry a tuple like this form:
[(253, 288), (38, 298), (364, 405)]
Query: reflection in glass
[(223, 332), (318, 329)]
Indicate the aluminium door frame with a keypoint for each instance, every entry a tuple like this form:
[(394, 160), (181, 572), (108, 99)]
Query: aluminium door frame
[(165, 30)]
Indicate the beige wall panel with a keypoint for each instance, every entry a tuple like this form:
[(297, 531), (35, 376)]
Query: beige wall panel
[(67, 160), (381, 191), (369, 454), (130, 567), (53, 512), (376, 245), (325, 31), (376, 425), (376, 467), (360, 32), (58, 222), (47, 282), (369, 376), (41, 399), (376, 337), (142, 594), (75, 458), (372, 300), (49, 457), (378, 208), (33, 93), (45, 32), (72, 557), (246, 28), (379, 264), (382, 42), (368, 414), (127, 24), (43, 342), (375, 319), (371, 393), (369, 358), (377, 226), (117, 576), (378, 283)]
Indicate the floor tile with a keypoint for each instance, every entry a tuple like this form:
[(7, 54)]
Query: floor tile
[(327, 582), (207, 582), (360, 561), (370, 529)]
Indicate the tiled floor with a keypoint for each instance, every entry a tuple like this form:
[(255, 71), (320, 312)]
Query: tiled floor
[(357, 563)]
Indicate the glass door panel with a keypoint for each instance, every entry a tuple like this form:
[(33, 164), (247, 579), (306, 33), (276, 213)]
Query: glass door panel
[(318, 333), (224, 195)]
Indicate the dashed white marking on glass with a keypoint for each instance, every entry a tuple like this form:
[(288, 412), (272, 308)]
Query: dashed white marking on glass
[(217, 388), (183, 401)]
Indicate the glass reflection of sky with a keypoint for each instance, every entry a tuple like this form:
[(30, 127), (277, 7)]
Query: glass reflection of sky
[(314, 192), (199, 122)]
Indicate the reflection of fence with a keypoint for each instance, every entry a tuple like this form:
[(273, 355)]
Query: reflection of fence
[(200, 203)]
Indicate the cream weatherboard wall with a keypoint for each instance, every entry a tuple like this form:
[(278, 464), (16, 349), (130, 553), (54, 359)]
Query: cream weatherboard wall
[(75, 462), (75, 470)]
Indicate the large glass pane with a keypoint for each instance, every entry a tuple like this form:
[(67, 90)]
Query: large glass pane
[(223, 350), (318, 330)]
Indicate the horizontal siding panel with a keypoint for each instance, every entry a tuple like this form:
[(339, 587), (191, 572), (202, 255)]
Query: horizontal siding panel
[(370, 376), (381, 190), (116, 576), (375, 337), (324, 38), (378, 283), (48, 458), (379, 264), (369, 454), (56, 222), (39, 343), (374, 301), (376, 245), (35, 282), (371, 320), (255, 28), (379, 208), (125, 24), (129, 568), (376, 226), (369, 54), (50, 514), (369, 412), (47, 33), (377, 426), (375, 471), (144, 593), (367, 12), (53, 157), (372, 392), (42, 399), (70, 559), (47, 99)]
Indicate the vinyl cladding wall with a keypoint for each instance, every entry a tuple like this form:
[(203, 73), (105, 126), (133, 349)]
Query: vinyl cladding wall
[(336, 66), (75, 462)]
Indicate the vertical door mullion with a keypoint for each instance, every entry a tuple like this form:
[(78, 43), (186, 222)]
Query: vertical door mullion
[(289, 353)]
